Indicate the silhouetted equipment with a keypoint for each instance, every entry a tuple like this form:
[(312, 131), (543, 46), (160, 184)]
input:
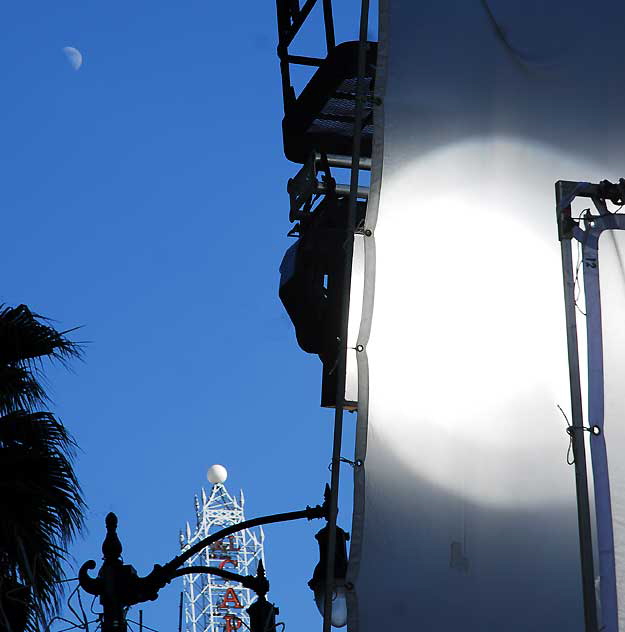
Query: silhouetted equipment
[(311, 273), (318, 131), (322, 117)]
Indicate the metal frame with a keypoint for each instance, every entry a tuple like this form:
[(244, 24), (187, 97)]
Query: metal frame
[(303, 189), (291, 18), (342, 363), (568, 228)]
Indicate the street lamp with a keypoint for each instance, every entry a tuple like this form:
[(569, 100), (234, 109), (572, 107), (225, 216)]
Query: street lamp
[(119, 587), (317, 584)]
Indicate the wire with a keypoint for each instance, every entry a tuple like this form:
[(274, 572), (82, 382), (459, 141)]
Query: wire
[(342, 460), (82, 610), (91, 606), (147, 627), (79, 625), (569, 458), (69, 603), (55, 619), (73, 625), (243, 622)]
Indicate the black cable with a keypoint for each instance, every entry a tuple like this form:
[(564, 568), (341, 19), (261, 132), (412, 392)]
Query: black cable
[(78, 625), (147, 627), (53, 620), (342, 460), (91, 606), (569, 459), (73, 627), (243, 622), (69, 603), (82, 610)]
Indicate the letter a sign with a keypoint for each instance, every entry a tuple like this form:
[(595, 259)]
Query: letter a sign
[(230, 600)]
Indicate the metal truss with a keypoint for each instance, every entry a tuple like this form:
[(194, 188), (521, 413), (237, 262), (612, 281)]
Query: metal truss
[(213, 604)]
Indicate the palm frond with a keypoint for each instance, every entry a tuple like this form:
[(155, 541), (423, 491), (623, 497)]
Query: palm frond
[(19, 390), (26, 336), (41, 504)]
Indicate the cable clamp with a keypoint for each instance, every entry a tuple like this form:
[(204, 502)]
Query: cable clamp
[(594, 430)]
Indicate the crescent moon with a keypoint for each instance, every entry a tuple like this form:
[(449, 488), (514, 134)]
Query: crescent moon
[(74, 57)]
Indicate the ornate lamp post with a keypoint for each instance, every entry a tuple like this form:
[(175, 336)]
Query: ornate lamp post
[(318, 583), (119, 586)]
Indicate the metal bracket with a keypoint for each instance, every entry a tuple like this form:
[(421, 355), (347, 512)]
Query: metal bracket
[(567, 191), (305, 188)]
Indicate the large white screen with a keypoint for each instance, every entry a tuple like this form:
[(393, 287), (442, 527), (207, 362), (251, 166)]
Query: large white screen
[(612, 405), (464, 510)]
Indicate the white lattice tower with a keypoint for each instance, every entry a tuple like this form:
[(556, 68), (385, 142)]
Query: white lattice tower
[(212, 604)]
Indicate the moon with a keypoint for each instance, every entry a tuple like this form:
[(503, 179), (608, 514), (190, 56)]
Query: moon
[(74, 56)]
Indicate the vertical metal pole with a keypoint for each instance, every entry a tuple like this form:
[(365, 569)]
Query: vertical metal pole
[(346, 288), (284, 24), (140, 620), (180, 615), (577, 437), (328, 21)]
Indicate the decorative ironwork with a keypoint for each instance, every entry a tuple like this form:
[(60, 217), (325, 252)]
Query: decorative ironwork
[(119, 586)]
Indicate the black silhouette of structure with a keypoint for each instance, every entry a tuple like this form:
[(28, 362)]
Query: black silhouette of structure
[(319, 129), (328, 125)]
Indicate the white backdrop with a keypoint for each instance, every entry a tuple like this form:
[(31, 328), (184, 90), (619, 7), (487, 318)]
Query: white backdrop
[(464, 510), (612, 248), (604, 284)]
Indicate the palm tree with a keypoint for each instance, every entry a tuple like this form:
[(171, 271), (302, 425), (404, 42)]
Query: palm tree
[(41, 505)]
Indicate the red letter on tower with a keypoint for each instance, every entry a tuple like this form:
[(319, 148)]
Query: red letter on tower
[(232, 623), (230, 600)]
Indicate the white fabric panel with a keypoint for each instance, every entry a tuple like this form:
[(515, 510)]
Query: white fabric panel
[(464, 510), (355, 313), (604, 281), (612, 283)]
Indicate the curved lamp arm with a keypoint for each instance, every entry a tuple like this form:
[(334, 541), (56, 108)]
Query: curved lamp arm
[(258, 583), (310, 513), (124, 586), (164, 574)]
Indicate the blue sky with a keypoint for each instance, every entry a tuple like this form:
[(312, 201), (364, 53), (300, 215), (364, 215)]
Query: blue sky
[(144, 198)]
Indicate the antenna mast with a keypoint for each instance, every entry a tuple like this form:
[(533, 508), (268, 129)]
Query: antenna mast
[(212, 604)]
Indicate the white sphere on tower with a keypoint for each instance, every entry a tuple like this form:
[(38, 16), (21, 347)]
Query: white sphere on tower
[(217, 474)]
